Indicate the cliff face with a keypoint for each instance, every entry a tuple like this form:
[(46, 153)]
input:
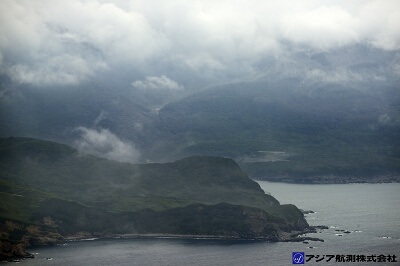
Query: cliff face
[(61, 220), (223, 219), (51, 191), (15, 236), (10, 251)]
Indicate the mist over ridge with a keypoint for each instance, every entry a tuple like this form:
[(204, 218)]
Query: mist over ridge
[(155, 82), (195, 44)]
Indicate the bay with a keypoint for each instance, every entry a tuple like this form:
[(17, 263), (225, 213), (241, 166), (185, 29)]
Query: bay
[(370, 212)]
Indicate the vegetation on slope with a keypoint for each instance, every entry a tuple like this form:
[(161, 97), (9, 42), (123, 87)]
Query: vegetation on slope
[(46, 184), (322, 131)]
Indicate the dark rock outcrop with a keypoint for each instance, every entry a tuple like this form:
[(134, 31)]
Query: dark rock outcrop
[(16, 236)]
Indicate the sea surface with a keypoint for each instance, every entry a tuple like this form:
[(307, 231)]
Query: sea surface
[(370, 212)]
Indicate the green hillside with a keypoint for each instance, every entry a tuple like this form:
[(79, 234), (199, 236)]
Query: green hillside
[(316, 132), (57, 188), (59, 169), (321, 131)]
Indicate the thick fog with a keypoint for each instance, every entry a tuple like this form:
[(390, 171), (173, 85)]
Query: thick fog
[(102, 70), (151, 43)]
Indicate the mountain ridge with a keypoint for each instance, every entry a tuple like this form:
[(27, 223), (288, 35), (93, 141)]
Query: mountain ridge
[(327, 129), (56, 187)]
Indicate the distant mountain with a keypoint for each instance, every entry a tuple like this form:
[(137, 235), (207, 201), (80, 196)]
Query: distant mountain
[(281, 130), (55, 114), (289, 131), (62, 192)]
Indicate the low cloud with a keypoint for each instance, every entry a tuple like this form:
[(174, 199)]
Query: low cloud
[(102, 116), (157, 83), (56, 70), (105, 144), (70, 42), (384, 119), (338, 76)]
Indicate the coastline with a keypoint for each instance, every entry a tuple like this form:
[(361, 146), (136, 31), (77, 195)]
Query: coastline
[(293, 236), (332, 179)]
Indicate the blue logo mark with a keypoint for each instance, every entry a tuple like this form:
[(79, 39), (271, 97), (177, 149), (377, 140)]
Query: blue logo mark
[(298, 258)]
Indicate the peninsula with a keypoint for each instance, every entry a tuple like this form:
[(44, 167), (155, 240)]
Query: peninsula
[(50, 192)]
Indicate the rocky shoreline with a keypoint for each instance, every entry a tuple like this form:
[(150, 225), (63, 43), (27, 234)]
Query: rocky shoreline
[(294, 236), (13, 252), (16, 252), (333, 179), (16, 236), (298, 235)]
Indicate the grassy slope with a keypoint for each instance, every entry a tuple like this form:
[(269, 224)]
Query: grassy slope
[(197, 219), (326, 132), (42, 179), (85, 178)]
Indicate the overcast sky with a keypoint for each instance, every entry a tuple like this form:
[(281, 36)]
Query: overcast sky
[(158, 51), (162, 43)]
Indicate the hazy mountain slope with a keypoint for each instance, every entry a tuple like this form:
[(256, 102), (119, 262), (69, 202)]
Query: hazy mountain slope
[(197, 219), (60, 169), (49, 191), (321, 131), (315, 128), (56, 114)]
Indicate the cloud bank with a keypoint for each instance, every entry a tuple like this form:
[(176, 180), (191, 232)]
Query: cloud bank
[(157, 83), (105, 144), (55, 43)]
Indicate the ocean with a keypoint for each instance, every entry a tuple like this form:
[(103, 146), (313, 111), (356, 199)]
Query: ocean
[(363, 221)]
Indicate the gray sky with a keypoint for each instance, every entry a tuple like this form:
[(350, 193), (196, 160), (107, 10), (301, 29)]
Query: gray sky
[(158, 51), (57, 43)]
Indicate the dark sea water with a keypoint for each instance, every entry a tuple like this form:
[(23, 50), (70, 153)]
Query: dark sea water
[(370, 212)]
